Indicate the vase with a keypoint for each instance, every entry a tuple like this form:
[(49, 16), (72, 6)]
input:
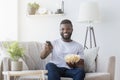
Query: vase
[(16, 66), (31, 11)]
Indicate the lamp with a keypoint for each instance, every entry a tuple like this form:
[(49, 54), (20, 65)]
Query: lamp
[(89, 13)]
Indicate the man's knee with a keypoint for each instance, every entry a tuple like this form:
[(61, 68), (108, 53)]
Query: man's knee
[(81, 72), (50, 65)]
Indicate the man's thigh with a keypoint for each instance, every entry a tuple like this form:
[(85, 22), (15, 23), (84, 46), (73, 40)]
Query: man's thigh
[(73, 72)]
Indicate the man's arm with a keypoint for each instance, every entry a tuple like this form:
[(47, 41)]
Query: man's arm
[(47, 50), (80, 63)]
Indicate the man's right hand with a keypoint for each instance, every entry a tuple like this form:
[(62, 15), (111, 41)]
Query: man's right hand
[(47, 50), (48, 47)]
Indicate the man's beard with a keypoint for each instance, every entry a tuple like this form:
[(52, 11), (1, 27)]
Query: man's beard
[(66, 38)]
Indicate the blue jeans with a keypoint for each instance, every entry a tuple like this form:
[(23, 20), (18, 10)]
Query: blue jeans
[(54, 72)]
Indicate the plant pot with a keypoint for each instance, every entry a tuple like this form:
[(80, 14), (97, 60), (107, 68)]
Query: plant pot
[(16, 66), (31, 11)]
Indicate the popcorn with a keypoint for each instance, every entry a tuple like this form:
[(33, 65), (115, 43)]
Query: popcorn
[(72, 58)]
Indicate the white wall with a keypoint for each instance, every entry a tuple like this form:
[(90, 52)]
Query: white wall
[(8, 20), (42, 28)]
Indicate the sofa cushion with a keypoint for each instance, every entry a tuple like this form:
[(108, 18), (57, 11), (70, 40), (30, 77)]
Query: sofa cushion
[(89, 60), (37, 78), (89, 76), (64, 78), (97, 76), (32, 55), (3, 53)]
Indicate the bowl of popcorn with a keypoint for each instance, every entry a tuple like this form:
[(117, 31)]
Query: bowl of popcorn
[(72, 58)]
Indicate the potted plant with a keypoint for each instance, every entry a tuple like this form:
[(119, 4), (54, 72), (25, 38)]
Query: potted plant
[(32, 8), (15, 52)]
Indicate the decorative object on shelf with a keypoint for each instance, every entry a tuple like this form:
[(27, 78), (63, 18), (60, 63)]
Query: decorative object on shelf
[(60, 10), (43, 11), (32, 8), (16, 52), (89, 13)]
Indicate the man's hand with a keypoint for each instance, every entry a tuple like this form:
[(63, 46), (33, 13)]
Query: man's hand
[(79, 64), (71, 65), (48, 47), (47, 50)]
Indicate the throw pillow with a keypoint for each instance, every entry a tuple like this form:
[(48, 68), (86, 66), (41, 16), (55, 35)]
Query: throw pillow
[(3, 53), (89, 59)]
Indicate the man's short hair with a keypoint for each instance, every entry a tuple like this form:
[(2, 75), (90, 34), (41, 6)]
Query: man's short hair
[(66, 21)]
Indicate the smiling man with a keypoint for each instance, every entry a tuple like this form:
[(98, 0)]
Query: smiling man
[(58, 67)]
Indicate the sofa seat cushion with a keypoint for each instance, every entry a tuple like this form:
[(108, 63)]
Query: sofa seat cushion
[(93, 76), (64, 78), (38, 77), (97, 76), (29, 78), (89, 76)]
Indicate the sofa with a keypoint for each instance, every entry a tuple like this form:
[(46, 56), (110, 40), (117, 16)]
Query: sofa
[(32, 61)]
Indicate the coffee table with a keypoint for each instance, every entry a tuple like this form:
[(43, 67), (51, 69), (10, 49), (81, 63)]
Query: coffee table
[(17, 74)]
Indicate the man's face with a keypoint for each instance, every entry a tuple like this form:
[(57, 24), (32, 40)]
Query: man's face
[(66, 31)]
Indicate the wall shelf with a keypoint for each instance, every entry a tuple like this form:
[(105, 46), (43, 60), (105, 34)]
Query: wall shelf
[(45, 15)]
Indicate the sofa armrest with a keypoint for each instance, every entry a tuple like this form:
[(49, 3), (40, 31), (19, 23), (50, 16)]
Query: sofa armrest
[(111, 67), (4, 61), (1, 68), (6, 64)]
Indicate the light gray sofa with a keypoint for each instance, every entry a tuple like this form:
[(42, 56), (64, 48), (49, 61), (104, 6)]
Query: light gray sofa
[(32, 61)]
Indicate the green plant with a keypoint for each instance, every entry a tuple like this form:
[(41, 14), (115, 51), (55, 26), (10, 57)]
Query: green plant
[(34, 5), (14, 50)]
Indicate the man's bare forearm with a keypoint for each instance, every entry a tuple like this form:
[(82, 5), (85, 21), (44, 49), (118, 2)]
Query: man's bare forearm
[(44, 54)]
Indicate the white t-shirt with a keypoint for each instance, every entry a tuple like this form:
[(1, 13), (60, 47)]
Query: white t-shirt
[(61, 49)]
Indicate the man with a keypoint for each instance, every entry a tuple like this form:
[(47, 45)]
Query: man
[(57, 67)]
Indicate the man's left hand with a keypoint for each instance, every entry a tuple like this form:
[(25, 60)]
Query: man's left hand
[(80, 63)]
